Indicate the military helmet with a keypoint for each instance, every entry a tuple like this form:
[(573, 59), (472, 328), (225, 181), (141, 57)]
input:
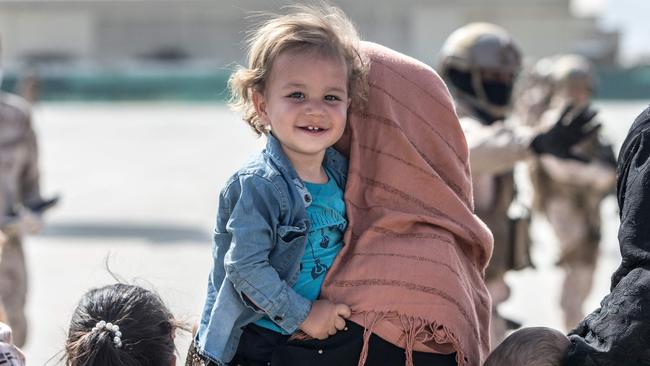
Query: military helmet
[(475, 48), (572, 71)]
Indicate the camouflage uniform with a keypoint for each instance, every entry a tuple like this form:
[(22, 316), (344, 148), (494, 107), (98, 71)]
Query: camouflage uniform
[(570, 193), (19, 187)]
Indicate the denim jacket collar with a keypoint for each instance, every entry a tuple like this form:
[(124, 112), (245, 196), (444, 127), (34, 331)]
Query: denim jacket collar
[(333, 160), (274, 150)]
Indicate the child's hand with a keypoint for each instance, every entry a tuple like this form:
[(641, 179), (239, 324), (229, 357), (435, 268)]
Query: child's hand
[(325, 319)]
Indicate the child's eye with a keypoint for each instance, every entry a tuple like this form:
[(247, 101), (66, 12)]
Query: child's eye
[(332, 98), (297, 95)]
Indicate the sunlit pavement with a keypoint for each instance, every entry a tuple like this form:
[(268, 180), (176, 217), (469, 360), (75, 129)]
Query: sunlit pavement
[(139, 185)]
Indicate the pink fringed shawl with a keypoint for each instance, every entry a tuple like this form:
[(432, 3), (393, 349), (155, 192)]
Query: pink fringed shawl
[(412, 266)]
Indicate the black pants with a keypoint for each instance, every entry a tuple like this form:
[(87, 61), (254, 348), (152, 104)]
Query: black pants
[(262, 347), (256, 346), (344, 349)]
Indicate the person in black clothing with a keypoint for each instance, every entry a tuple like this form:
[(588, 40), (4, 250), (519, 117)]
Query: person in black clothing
[(618, 333)]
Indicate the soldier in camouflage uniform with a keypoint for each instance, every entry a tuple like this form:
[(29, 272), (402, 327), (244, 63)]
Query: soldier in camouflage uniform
[(480, 63), (569, 192), (21, 205)]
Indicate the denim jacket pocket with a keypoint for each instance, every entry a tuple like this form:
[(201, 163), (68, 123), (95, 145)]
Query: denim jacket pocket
[(288, 250), (290, 234)]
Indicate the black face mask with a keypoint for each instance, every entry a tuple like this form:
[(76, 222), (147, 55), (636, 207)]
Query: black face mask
[(461, 80), (498, 93)]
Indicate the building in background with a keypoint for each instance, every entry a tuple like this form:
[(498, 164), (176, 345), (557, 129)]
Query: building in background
[(118, 34)]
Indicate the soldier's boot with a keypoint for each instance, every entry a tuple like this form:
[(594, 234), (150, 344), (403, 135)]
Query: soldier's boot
[(577, 284)]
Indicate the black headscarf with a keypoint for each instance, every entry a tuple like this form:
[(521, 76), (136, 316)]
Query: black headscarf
[(618, 333), (633, 191)]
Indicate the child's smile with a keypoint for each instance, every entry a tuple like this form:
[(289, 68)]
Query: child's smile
[(314, 130)]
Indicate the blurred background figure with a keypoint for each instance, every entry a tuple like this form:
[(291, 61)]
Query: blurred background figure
[(480, 63), (21, 204), (570, 192)]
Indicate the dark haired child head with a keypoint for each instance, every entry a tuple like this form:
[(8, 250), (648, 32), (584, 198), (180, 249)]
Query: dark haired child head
[(119, 325), (534, 346)]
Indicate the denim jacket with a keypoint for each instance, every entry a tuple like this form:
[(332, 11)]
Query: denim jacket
[(259, 240)]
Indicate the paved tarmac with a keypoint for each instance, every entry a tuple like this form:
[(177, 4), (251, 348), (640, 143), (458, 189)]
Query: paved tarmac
[(140, 185)]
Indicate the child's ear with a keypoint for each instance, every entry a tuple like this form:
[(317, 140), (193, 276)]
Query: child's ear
[(260, 106)]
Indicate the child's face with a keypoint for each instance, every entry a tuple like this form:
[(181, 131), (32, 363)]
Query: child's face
[(305, 102)]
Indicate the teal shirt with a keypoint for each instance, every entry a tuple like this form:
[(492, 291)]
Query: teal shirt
[(328, 222)]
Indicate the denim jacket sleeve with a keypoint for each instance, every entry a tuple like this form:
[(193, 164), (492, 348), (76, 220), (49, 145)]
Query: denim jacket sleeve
[(254, 217)]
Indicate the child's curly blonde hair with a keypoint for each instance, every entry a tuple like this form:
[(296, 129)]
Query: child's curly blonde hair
[(322, 29)]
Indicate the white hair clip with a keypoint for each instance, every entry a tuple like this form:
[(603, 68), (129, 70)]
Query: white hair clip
[(113, 328)]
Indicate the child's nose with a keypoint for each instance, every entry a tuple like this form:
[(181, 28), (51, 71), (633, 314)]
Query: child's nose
[(315, 108)]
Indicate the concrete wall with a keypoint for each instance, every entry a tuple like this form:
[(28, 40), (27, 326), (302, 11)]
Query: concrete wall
[(112, 33), (26, 33)]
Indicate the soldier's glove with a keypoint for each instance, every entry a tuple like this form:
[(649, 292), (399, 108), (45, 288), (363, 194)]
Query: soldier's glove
[(571, 128), (43, 205)]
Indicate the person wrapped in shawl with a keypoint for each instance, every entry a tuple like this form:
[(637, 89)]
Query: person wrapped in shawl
[(618, 333), (414, 256)]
